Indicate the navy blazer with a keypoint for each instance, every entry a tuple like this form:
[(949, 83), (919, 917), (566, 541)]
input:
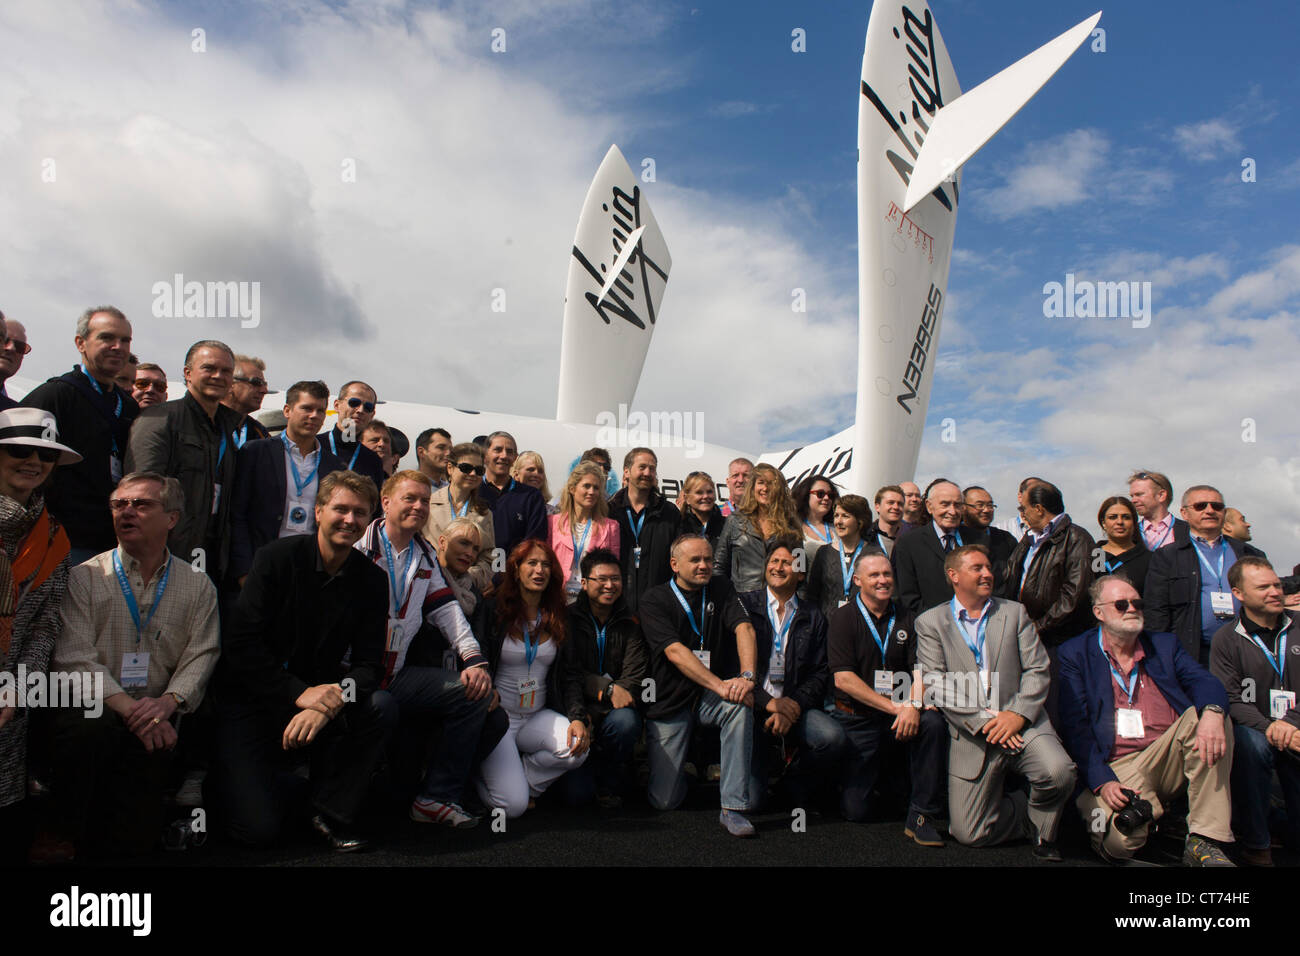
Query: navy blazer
[(807, 670), (261, 492), (1087, 702)]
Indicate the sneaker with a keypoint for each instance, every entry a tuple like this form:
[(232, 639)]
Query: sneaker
[(448, 814), (1251, 857), (190, 792), (736, 823), (922, 830), (1201, 851)]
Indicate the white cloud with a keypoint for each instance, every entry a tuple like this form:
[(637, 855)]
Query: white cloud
[(1208, 140), (733, 109)]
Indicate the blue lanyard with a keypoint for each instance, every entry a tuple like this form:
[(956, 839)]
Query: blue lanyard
[(889, 629), (355, 453), (451, 504), (1279, 649), (299, 481), (1129, 685), (846, 569), (509, 488), (1161, 540), (240, 436), (880, 540), (779, 632), (600, 642), (129, 595), (396, 583), (1218, 576), (1111, 567), (636, 531), (103, 390), (221, 452), (704, 597), (826, 525), (530, 649), (981, 632), (578, 548)]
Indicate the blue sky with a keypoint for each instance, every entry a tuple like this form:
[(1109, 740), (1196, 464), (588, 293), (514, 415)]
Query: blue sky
[(472, 166)]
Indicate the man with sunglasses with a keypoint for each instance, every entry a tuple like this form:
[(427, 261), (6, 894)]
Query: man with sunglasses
[(13, 346), (1187, 589), (247, 389), (191, 439), (150, 385), (605, 661), (356, 409), (1140, 716)]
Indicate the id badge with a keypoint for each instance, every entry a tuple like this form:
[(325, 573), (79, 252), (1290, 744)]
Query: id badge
[(883, 683), (776, 669), (1279, 702), (1129, 723), (1221, 603), (704, 657), (394, 640), (527, 693), (844, 602), (573, 586), (298, 520), (216, 496), (135, 670), (636, 557)]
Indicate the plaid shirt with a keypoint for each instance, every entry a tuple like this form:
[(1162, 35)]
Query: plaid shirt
[(182, 639)]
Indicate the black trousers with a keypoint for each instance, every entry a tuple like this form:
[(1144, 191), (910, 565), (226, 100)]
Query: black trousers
[(870, 741), (257, 782), (107, 789)]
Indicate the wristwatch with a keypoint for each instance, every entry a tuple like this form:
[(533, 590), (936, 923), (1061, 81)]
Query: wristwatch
[(913, 702), (1214, 709), (747, 675)]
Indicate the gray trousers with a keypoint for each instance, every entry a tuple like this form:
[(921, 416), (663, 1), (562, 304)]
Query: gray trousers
[(982, 814)]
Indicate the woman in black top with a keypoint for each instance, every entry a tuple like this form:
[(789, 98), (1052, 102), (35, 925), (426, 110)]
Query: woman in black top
[(814, 500), (698, 505), (1124, 551)]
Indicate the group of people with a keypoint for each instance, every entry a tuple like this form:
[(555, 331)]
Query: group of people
[(279, 621)]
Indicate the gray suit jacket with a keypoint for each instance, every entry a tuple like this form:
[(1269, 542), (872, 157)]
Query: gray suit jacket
[(1018, 671)]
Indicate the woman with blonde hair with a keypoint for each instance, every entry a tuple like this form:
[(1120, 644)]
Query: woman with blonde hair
[(581, 524), (766, 511), (459, 499), (529, 469), (698, 504)]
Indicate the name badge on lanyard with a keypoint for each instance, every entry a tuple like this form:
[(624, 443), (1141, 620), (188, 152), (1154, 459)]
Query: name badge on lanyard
[(528, 686), (216, 485), (776, 666), (705, 657), (1279, 702), (1128, 722), (135, 670)]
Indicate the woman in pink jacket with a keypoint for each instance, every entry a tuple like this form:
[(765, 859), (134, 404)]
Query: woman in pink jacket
[(582, 524)]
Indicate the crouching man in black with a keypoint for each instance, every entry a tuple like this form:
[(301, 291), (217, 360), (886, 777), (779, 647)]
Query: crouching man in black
[(284, 695)]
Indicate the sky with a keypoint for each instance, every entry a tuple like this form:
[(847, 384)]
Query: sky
[(380, 170)]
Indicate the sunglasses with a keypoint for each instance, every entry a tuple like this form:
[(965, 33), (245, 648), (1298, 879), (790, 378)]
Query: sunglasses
[(23, 452), (148, 385), (467, 469), (139, 504), (262, 383), (1202, 505), (358, 403), (21, 347), (820, 493), (1123, 604)]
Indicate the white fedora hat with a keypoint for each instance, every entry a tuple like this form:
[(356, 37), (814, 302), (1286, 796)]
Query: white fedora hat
[(34, 428)]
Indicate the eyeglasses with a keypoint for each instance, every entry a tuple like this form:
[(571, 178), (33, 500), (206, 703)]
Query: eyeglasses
[(262, 383), (139, 504), (820, 493), (23, 452), (605, 581), (149, 385), (21, 347), (981, 505), (358, 403), (1202, 505), (467, 469), (1123, 604)]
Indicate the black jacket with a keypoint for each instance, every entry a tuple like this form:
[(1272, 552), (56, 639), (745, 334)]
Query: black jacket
[(691, 524), (1055, 592), (1236, 659), (825, 585), (355, 457), (261, 492), (1173, 591), (918, 568), (89, 424), (178, 439), (1000, 544), (292, 625), (1133, 563), (627, 661), (661, 526), (807, 674)]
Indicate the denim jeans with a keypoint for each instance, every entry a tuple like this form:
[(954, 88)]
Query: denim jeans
[(608, 767), (432, 690), (817, 742), (1253, 761), (667, 740)]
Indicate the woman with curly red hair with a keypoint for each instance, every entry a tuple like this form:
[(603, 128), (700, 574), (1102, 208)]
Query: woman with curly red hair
[(541, 744)]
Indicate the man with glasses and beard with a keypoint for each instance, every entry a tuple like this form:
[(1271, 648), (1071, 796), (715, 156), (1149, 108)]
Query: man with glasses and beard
[(1145, 723), (1187, 589)]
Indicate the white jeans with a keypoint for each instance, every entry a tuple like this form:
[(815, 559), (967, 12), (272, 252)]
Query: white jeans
[(532, 755)]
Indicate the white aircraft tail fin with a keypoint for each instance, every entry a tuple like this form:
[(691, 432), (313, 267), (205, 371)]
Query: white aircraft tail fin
[(964, 125), (617, 274)]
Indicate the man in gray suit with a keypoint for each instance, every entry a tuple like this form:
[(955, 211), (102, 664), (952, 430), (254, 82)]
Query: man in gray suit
[(987, 670)]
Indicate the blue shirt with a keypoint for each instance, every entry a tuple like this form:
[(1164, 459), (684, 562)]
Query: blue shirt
[(1209, 554), (1036, 539)]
